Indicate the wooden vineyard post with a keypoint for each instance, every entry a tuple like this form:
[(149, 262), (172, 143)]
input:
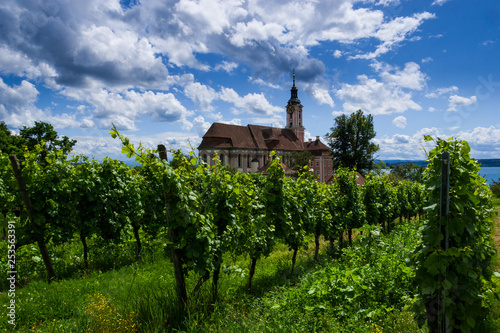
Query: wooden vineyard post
[(29, 208), (444, 203)]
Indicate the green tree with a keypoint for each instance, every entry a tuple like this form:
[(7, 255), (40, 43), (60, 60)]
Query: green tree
[(350, 142), (301, 159), (9, 143), (408, 171), (44, 132), (495, 188)]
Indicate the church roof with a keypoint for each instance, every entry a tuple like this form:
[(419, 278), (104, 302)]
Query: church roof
[(315, 145), (263, 169), (223, 136)]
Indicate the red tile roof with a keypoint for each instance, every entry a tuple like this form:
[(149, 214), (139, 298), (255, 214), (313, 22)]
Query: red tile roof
[(250, 137), (263, 169), (360, 180)]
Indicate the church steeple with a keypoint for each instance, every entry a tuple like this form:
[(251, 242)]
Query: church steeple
[(294, 99), (294, 112)]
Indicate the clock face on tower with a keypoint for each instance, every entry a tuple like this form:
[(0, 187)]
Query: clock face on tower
[(289, 109)]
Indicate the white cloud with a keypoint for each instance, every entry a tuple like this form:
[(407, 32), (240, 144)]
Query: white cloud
[(201, 126), (263, 83), (17, 107), (124, 109), (395, 32), (375, 97), (18, 64), (439, 2), (202, 95), (403, 146), (227, 66), (484, 143), (254, 31), (432, 109), (337, 54), (457, 101), (426, 60), (410, 77), (399, 122), (441, 91), (320, 93), (250, 103)]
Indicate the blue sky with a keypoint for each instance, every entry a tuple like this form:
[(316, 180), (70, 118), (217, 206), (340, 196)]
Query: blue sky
[(164, 71)]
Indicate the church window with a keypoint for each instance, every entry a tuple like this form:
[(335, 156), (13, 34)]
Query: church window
[(239, 160)]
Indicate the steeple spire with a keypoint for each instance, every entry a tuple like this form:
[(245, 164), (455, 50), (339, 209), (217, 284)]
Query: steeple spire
[(294, 112), (294, 99)]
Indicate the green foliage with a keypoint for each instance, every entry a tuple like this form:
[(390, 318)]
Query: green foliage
[(9, 143), (455, 277), (211, 220), (43, 134), (350, 141), (408, 171), (301, 159), (348, 210), (495, 188), (380, 201)]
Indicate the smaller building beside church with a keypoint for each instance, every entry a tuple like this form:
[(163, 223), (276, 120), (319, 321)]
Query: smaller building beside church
[(247, 148)]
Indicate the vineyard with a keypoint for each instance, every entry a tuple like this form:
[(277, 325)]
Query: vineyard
[(378, 255)]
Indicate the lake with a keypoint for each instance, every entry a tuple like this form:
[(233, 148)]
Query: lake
[(490, 173)]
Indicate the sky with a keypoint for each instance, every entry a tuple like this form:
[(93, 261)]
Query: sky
[(164, 71)]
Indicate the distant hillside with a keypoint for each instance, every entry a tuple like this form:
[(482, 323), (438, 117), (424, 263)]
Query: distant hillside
[(485, 163), (390, 163)]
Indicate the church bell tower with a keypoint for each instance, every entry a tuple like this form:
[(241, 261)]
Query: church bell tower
[(294, 113)]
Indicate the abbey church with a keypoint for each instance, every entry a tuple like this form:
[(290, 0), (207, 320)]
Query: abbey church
[(248, 147)]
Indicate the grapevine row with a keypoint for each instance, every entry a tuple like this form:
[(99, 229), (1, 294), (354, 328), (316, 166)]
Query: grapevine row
[(203, 212)]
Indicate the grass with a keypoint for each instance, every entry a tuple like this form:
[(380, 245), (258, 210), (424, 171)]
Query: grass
[(140, 297)]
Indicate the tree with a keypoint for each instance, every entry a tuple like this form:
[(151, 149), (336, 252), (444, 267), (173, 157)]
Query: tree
[(350, 141), (9, 143), (495, 188), (408, 171), (44, 132), (301, 159)]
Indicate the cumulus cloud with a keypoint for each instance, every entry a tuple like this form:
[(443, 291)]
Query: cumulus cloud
[(410, 77), (202, 95), (399, 122), (375, 97), (200, 125), (457, 101), (17, 107), (18, 64), (256, 104), (404, 146), (394, 32), (125, 109)]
